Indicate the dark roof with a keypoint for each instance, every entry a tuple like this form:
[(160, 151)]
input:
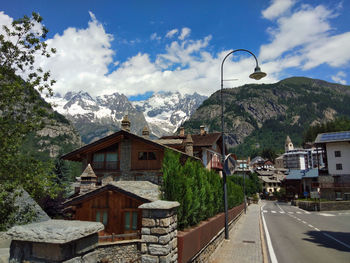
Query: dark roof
[(299, 174), (333, 137), (207, 139), (76, 155), (142, 190)]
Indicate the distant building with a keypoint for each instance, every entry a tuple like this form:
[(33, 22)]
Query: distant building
[(301, 182), (335, 176), (301, 159)]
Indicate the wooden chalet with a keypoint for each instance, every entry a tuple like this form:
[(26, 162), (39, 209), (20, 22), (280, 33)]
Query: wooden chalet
[(115, 205), (124, 156), (206, 146)]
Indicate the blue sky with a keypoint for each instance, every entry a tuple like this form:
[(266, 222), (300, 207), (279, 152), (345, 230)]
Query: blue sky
[(141, 47)]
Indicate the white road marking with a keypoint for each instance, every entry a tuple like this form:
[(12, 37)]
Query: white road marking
[(298, 212), (273, 212), (316, 229), (304, 222), (280, 208), (269, 243), (282, 212), (298, 219), (311, 226), (265, 211), (324, 214), (291, 212), (306, 212)]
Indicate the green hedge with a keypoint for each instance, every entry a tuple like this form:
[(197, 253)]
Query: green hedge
[(198, 190)]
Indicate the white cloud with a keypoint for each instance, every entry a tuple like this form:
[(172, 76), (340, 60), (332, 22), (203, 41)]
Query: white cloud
[(155, 36), (171, 33), (277, 8), (339, 77), (303, 27), (5, 20), (82, 58), (185, 32)]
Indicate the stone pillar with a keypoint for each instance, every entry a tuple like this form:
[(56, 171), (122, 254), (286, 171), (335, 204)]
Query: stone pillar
[(159, 232)]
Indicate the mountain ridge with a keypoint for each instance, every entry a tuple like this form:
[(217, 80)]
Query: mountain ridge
[(97, 117), (262, 115)]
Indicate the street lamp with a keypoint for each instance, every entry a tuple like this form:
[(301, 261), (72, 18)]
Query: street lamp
[(257, 74)]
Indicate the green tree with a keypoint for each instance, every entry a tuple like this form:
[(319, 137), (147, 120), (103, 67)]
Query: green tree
[(22, 112)]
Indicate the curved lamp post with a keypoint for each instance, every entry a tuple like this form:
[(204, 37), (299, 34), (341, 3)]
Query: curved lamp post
[(257, 74)]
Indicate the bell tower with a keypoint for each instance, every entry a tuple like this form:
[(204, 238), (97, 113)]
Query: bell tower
[(288, 146)]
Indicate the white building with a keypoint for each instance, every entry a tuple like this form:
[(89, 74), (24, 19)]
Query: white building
[(335, 177), (301, 159)]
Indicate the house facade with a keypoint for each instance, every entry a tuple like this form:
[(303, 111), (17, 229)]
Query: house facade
[(335, 175), (115, 205), (124, 156), (205, 146)]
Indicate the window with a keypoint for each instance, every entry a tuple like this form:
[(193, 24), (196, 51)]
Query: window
[(106, 158), (130, 218), (102, 216), (339, 166), (147, 156), (337, 154)]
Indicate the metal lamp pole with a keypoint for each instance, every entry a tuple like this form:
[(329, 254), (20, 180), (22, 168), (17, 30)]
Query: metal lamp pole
[(257, 74)]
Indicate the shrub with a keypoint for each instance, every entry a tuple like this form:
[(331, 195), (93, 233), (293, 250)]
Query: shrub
[(198, 190)]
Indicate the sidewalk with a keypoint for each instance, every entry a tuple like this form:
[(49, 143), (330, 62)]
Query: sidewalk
[(244, 244)]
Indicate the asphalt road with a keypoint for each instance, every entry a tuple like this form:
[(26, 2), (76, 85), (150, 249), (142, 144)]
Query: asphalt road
[(300, 236)]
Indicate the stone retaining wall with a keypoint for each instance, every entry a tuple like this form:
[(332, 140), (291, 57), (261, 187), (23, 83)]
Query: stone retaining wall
[(324, 206), (120, 252)]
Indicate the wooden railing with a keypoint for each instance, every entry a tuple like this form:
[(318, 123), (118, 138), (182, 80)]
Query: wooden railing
[(105, 165)]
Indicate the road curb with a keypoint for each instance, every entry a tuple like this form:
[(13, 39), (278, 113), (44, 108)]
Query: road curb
[(263, 241)]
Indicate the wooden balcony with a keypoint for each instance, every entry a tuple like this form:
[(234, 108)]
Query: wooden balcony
[(105, 165), (215, 164)]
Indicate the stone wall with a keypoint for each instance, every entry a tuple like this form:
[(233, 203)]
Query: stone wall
[(159, 232), (120, 252), (324, 206), (125, 153)]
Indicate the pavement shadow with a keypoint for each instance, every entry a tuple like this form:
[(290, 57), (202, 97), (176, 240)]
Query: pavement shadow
[(324, 239)]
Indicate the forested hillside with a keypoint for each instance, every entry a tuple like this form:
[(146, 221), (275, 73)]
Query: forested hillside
[(260, 116)]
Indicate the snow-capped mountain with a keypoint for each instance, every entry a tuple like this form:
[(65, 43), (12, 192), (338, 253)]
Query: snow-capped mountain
[(96, 117), (165, 112)]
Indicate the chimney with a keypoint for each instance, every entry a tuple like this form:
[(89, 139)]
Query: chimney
[(189, 145), (182, 132), (202, 130), (88, 180), (126, 124), (145, 132)]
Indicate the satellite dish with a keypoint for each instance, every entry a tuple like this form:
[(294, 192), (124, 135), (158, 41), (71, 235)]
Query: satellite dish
[(230, 165)]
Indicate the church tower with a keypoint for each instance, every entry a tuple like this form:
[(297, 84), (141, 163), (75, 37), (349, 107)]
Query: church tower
[(288, 146)]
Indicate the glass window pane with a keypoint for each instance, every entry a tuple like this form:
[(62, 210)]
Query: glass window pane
[(152, 156), (134, 220), (105, 218), (142, 155), (99, 157), (98, 216), (112, 157), (127, 220)]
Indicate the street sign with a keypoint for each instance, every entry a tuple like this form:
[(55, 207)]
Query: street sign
[(230, 165), (314, 194)]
